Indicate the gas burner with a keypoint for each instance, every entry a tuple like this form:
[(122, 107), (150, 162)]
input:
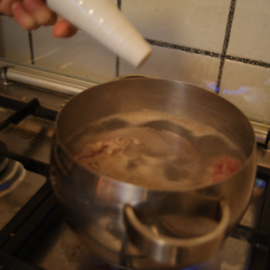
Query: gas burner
[(11, 173), (3, 160), (3, 164), (11, 176)]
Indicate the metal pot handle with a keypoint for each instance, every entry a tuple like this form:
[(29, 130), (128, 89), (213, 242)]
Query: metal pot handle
[(171, 250)]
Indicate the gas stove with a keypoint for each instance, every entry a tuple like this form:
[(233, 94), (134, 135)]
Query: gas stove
[(33, 234)]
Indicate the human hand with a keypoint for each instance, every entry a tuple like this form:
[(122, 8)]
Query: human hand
[(31, 14)]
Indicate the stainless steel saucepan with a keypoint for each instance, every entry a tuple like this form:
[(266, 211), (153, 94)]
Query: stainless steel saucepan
[(151, 228)]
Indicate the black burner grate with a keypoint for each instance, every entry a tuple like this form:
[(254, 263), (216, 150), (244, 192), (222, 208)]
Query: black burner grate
[(15, 235)]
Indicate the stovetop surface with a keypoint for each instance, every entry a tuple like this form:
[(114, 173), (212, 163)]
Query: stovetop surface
[(53, 245)]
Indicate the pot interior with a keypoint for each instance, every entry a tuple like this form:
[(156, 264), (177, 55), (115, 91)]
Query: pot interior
[(207, 123)]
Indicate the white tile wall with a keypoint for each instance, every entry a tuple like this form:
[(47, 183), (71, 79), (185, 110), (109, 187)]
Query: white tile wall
[(199, 70), (79, 56), (15, 46), (250, 35), (182, 25), (197, 24), (248, 87)]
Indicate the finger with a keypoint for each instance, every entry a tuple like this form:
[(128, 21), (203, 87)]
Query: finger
[(62, 28), (40, 12), (23, 17), (5, 6)]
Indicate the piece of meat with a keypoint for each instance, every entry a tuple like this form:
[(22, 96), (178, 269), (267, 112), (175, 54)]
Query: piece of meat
[(107, 146), (222, 167), (139, 155), (138, 140)]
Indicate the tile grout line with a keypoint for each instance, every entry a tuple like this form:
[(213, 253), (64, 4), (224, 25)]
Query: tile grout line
[(225, 43), (117, 61), (31, 47), (117, 66), (182, 48), (248, 61), (208, 53), (119, 4)]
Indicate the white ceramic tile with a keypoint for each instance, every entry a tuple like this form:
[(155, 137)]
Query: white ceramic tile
[(248, 87), (250, 34), (199, 70), (198, 23), (14, 41), (79, 56)]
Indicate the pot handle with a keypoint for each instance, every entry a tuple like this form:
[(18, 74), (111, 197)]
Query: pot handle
[(172, 250)]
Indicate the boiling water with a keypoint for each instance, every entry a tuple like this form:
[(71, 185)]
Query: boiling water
[(152, 149)]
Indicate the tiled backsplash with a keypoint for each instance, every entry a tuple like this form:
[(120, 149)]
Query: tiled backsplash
[(221, 46)]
